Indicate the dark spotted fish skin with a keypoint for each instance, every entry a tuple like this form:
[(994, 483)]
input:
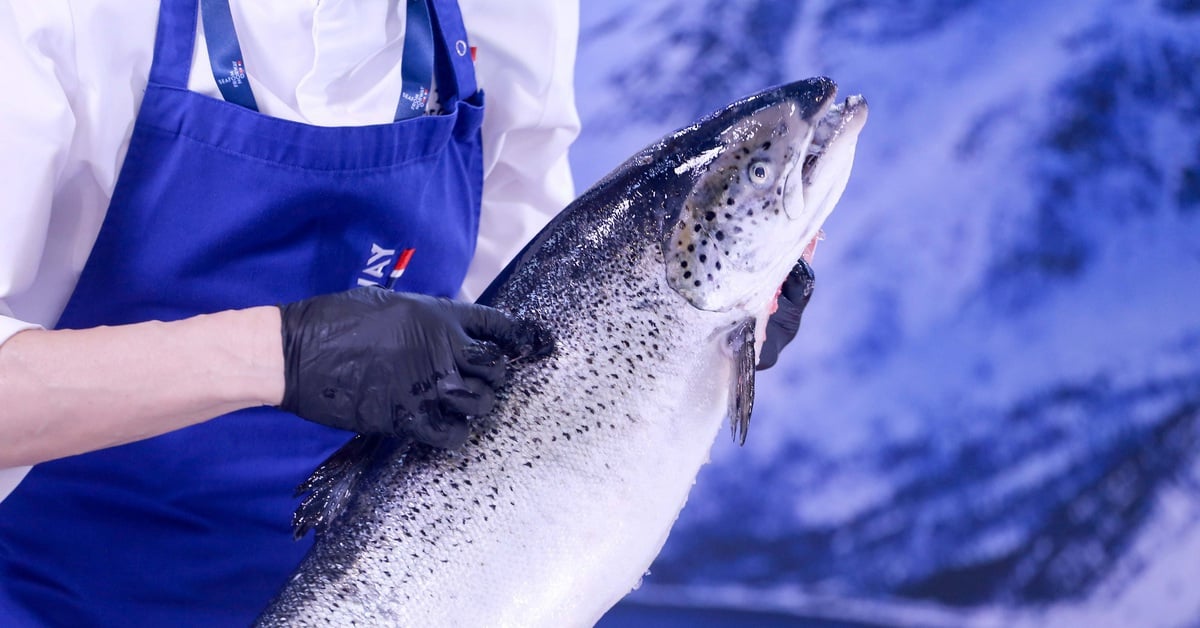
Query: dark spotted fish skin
[(558, 503)]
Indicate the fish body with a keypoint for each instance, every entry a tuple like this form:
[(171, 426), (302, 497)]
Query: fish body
[(652, 284)]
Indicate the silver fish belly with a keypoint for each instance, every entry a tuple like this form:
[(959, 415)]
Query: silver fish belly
[(652, 285)]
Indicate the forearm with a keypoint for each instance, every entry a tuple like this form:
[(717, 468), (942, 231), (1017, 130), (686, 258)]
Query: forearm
[(66, 392)]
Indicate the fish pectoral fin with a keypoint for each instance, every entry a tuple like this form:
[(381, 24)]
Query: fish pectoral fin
[(741, 397), (332, 484)]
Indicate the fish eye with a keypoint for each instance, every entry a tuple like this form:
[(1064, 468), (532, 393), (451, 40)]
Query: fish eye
[(759, 173)]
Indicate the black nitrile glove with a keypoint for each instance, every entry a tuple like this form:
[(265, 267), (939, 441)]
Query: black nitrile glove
[(380, 362), (785, 322)]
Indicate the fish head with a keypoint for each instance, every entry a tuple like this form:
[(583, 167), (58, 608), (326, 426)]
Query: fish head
[(764, 173)]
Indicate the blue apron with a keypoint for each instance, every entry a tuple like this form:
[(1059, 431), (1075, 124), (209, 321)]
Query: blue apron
[(219, 207)]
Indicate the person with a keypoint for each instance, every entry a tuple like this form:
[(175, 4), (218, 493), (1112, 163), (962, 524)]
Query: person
[(224, 216), (157, 174)]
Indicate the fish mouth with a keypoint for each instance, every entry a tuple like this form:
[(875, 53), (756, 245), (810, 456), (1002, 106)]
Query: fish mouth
[(848, 115), (823, 172), (826, 165)]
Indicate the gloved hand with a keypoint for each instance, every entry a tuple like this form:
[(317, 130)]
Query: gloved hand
[(375, 361), (783, 324)]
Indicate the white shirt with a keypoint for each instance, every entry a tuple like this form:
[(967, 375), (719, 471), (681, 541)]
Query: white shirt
[(74, 73)]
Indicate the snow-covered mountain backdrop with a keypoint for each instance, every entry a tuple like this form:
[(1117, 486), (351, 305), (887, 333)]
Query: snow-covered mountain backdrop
[(991, 415)]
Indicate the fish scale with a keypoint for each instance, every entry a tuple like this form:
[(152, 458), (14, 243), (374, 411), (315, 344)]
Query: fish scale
[(555, 507)]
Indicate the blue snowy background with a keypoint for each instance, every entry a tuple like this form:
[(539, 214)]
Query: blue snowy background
[(991, 416)]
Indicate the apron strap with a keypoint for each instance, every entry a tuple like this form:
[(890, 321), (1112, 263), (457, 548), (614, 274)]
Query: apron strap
[(417, 63), (225, 53), (173, 43), (456, 66)]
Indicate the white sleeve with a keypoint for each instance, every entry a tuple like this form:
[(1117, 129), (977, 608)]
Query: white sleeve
[(36, 125), (9, 479), (526, 67)]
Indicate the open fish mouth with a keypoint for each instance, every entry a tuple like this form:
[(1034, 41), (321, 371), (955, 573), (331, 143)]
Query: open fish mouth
[(830, 127), (828, 156), (848, 116), (842, 119)]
